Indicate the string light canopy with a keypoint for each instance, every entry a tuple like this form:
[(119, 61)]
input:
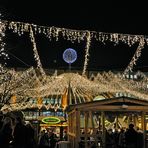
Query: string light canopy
[(30, 85), (103, 83)]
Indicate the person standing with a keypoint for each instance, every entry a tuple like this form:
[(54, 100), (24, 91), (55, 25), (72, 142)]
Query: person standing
[(31, 142), (122, 143), (20, 134), (44, 140), (65, 136), (140, 138), (6, 133), (131, 137)]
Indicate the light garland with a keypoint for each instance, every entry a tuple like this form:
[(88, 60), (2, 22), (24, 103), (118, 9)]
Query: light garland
[(103, 83), (136, 56), (29, 86), (36, 55), (19, 28), (136, 88), (58, 84), (73, 35), (88, 42), (3, 55)]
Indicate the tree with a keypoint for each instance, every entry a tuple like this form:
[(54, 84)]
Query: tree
[(22, 84)]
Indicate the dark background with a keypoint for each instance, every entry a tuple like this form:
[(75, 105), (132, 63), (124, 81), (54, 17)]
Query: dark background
[(110, 17)]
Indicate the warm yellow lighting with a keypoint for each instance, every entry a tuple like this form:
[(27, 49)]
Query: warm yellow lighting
[(51, 120)]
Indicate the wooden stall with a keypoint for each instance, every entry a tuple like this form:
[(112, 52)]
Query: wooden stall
[(88, 122)]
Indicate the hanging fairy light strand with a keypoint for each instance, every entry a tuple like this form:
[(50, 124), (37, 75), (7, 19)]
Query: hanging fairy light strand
[(36, 55), (136, 56), (73, 34), (3, 55), (88, 42), (80, 35)]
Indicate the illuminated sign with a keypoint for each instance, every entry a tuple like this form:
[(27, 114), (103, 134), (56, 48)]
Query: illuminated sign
[(51, 120)]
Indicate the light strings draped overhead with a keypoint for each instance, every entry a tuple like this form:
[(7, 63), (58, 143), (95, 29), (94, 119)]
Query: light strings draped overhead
[(78, 35), (31, 86)]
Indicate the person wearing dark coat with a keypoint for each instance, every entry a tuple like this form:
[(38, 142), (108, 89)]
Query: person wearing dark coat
[(6, 133), (140, 138), (1, 119), (65, 136), (110, 139), (131, 137), (53, 140), (30, 139), (20, 134), (44, 140)]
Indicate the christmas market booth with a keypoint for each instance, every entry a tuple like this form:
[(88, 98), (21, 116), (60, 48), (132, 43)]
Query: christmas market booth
[(88, 122)]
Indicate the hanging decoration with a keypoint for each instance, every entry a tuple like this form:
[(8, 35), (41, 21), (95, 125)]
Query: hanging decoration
[(13, 99), (64, 101), (72, 34), (88, 42), (76, 35), (69, 55), (36, 55), (136, 56), (3, 55), (39, 102)]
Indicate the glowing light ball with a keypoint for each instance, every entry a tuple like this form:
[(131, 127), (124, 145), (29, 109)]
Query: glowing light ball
[(69, 55)]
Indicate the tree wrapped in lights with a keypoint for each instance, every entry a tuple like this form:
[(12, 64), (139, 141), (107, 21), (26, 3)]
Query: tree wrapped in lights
[(5, 91), (18, 84)]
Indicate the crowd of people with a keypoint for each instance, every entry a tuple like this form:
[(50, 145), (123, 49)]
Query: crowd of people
[(131, 137), (125, 138), (16, 133)]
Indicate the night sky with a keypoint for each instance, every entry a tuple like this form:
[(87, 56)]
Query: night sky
[(104, 17)]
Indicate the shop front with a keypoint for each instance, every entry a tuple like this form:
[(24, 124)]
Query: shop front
[(47, 119), (55, 124)]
